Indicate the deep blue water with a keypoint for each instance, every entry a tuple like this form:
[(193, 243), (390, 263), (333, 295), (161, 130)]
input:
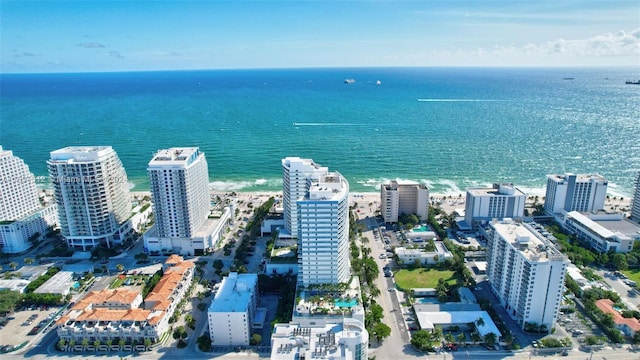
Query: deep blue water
[(447, 127)]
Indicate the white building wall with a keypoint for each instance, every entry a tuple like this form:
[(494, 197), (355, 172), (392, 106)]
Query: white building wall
[(18, 192), (570, 192), (323, 232), (92, 194), (297, 175), (529, 282), (498, 202), (229, 328), (635, 205), (397, 198)]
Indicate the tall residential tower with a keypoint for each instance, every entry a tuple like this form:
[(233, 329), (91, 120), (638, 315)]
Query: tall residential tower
[(526, 272), (635, 205), (297, 174), (21, 214), (570, 192), (92, 193), (403, 197), (179, 180), (497, 202)]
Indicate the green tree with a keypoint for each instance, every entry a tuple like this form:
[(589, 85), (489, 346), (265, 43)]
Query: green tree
[(204, 343), (461, 338), (29, 261), (381, 331), (85, 343), (218, 265), (62, 343), (449, 338), (421, 340), (96, 344), (13, 265), (147, 343), (256, 339), (490, 339), (120, 267), (121, 343)]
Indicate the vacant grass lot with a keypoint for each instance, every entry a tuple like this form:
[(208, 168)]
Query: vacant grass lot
[(633, 274), (422, 278)]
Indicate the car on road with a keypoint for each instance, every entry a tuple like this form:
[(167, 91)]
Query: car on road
[(383, 256)]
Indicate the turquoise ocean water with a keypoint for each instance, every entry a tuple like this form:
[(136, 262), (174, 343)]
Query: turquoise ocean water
[(447, 127)]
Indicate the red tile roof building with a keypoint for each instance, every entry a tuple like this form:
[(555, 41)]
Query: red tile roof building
[(116, 314), (629, 326)]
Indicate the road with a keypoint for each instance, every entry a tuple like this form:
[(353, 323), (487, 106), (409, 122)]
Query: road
[(633, 302)]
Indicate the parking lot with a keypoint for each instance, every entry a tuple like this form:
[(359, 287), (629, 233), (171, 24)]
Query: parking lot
[(21, 323)]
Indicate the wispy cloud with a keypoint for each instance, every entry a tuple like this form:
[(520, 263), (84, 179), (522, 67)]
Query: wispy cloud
[(90, 45), (116, 54), (24, 54), (610, 44)]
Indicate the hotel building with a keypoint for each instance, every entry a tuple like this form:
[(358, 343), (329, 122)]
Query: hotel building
[(21, 214), (179, 179), (297, 175), (91, 190), (120, 314), (323, 231), (635, 205), (344, 340), (497, 202), (403, 197), (232, 310), (603, 232), (526, 272), (570, 192)]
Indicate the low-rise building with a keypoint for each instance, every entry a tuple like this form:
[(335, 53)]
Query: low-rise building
[(629, 326), (344, 340), (409, 256), (617, 235), (232, 310), (117, 314), (60, 283), (455, 314)]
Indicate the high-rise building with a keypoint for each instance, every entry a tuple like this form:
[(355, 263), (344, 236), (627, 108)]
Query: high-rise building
[(297, 174), (92, 193), (497, 202), (570, 192), (526, 272), (179, 180), (323, 231), (22, 216), (403, 197), (232, 310), (635, 205)]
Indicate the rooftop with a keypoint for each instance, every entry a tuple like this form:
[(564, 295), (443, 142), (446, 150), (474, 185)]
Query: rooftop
[(528, 241), (496, 190), (579, 177), (175, 156), (606, 306), (234, 293), (80, 153), (457, 313)]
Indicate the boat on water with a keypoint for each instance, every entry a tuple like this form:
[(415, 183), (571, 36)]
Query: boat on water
[(568, 78), (378, 82), (629, 82), (349, 81)]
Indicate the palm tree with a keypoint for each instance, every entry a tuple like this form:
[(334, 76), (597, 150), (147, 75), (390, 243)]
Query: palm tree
[(461, 338), (147, 343), (109, 342), (13, 265), (475, 337), (85, 343), (490, 339), (122, 343), (120, 267), (480, 322), (61, 344), (28, 261), (72, 343), (449, 338), (96, 344)]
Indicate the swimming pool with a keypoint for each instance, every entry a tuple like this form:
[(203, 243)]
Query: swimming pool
[(422, 228), (345, 303), (427, 300), (75, 285)]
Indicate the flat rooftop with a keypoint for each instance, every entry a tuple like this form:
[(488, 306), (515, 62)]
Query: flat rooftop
[(528, 241), (579, 177), (80, 153), (234, 293), (175, 156), (623, 226), (602, 231)]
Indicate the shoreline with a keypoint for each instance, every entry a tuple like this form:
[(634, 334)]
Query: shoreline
[(449, 202)]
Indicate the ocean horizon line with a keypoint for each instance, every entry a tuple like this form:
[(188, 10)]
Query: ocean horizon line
[(315, 68)]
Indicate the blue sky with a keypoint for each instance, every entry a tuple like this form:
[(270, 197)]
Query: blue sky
[(70, 36)]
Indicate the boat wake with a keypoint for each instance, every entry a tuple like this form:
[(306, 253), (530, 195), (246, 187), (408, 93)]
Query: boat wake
[(457, 100), (324, 124)]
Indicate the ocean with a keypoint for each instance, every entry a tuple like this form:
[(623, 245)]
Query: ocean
[(449, 128)]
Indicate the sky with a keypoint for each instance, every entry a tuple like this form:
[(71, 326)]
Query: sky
[(119, 35)]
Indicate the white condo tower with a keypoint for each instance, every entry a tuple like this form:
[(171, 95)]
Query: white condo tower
[(92, 193), (180, 191), (21, 214)]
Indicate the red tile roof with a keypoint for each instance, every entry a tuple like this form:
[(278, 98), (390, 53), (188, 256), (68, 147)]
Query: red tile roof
[(606, 306)]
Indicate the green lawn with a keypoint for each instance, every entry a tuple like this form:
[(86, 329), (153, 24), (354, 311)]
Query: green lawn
[(422, 278), (633, 274)]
